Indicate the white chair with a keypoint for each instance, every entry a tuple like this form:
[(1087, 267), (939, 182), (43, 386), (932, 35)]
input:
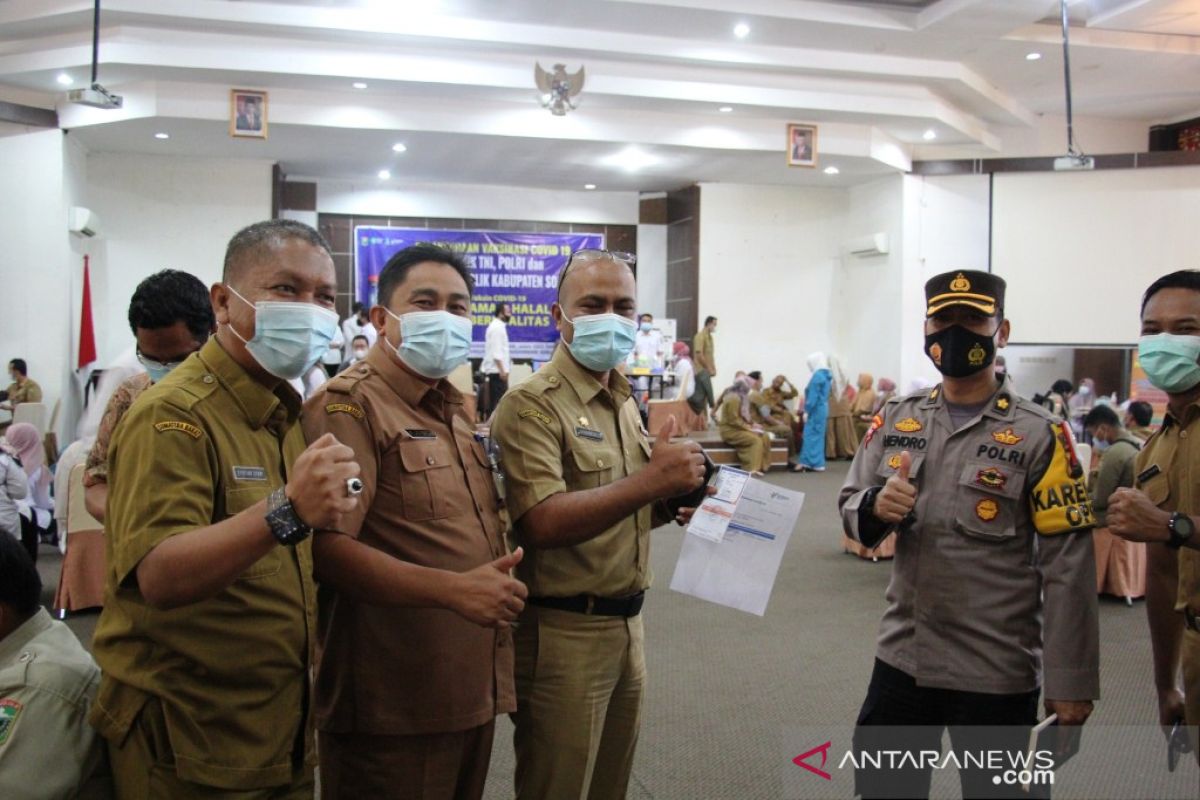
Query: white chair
[(33, 413), (519, 373)]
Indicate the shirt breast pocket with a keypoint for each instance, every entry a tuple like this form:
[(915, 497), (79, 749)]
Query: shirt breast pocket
[(423, 477), (986, 502), (1158, 488), (237, 501), (591, 467)]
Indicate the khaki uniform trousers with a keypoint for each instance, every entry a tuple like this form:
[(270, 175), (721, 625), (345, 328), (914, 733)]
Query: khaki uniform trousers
[(753, 449), (580, 681), (143, 768), (789, 438)]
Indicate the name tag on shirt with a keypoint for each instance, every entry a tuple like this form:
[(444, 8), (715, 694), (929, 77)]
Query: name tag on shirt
[(249, 473), (420, 433), (1148, 473), (589, 433)]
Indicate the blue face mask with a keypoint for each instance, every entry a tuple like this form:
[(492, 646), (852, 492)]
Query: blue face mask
[(157, 370), (1101, 445), (1170, 361), (647, 327), (432, 343), (288, 337), (602, 341)]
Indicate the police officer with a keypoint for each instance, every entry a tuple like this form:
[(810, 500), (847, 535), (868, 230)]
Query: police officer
[(993, 589), (416, 594), (206, 637), (1164, 509), (581, 481)]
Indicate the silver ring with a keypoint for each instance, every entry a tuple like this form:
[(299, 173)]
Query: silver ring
[(354, 487)]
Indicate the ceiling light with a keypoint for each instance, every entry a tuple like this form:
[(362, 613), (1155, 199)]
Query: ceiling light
[(399, 147), (741, 30), (384, 175), (725, 109), (64, 79), (359, 85), (631, 159), (589, 186), (1033, 56), (161, 135), (832, 170), (929, 135)]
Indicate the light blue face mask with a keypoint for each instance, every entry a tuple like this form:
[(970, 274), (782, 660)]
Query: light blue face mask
[(288, 337), (602, 341), (432, 343), (156, 370), (1170, 361)]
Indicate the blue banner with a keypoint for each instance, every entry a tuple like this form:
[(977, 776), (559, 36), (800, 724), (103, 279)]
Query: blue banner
[(521, 269)]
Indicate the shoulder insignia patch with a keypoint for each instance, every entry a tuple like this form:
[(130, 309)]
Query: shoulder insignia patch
[(183, 427), (1002, 403), (934, 394), (987, 510), (909, 425), (10, 711), (344, 408), (876, 424), (525, 413), (1008, 437)]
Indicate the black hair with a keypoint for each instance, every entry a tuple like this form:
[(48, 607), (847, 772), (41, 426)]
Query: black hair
[(1141, 412), (709, 320), (397, 267), (1101, 415), (19, 365), (360, 336), (1180, 279), (645, 314), (20, 584), (1062, 386), (499, 308), (255, 241), (757, 375), (171, 296), (357, 308)]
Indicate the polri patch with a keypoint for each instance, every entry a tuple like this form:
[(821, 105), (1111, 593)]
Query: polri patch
[(345, 408), (589, 433), (526, 413), (10, 711), (183, 427), (249, 473)]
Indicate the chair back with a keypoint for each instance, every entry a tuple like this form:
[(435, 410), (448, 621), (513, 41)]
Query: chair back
[(33, 413)]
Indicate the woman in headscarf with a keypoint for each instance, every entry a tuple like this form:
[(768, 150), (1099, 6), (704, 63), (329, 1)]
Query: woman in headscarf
[(752, 444), (840, 441), (685, 375), (816, 412), (37, 509), (864, 405)]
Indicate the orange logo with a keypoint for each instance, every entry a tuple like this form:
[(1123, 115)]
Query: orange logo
[(1007, 436), (894, 461), (960, 284), (935, 352), (909, 425), (987, 510)]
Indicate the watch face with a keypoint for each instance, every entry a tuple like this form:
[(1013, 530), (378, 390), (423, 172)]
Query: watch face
[(1182, 525)]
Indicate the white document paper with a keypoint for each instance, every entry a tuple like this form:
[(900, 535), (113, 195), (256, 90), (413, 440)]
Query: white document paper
[(713, 516), (739, 570)]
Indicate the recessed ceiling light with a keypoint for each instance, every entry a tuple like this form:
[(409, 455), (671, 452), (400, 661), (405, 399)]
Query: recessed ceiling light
[(1032, 56), (589, 186), (399, 147), (929, 135), (726, 109), (832, 170), (359, 85), (161, 135), (64, 79), (384, 175), (631, 159), (741, 30)]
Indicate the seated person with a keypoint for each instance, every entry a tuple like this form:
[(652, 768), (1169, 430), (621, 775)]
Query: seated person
[(23, 389), (47, 684), (752, 444), (1118, 449), (1137, 420), (37, 508), (763, 416), (778, 394), (13, 487)]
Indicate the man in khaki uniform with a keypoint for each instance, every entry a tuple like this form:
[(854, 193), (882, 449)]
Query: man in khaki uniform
[(703, 354), (763, 414), (581, 481), (416, 655), (992, 599), (206, 636), (1164, 509), (23, 389), (47, 682), (777, 394)]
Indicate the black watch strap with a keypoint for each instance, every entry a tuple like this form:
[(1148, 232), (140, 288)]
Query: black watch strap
[(286, 526)]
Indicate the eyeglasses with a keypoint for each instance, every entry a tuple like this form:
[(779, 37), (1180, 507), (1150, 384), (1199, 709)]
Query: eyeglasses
[(150, 364)]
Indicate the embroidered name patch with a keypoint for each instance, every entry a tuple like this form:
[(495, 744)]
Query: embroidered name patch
[(538, 415), (182, 427), (249, 473), (588, 433), (345, 408), (420, 433), (1148, 473)]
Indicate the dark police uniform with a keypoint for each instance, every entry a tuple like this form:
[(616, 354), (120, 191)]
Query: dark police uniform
[(993, 589)]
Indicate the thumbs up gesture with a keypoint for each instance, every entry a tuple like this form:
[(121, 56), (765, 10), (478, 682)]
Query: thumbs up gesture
[(898, 496), (489, 595)]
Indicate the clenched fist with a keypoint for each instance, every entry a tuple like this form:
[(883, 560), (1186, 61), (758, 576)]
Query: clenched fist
[(317, 489)]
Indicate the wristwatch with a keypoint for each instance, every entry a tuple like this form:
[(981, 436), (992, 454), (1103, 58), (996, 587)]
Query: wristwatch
[(286, 526), (1180, 529)]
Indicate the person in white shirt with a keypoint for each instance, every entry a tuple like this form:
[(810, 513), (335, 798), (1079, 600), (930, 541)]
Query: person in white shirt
[(358, 324), (497, 362), (358, 351), (332, 359), (685, 374), (648, 345)]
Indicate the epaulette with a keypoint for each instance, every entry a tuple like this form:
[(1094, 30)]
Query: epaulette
[(540, 382), (186, 393), (345, 381)]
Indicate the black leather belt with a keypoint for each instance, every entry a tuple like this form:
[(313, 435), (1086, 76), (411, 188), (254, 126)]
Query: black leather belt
[(629, 606), (1191, 618)]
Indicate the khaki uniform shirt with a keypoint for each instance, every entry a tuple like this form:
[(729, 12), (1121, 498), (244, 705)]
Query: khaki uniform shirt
[(96, 470), (703, 352), (428, 498), (231, 671), (993, 586), (758, 400), (561, 431), (777, 398), (729, 414), (1168, 471), (47, 682), (26, 392)]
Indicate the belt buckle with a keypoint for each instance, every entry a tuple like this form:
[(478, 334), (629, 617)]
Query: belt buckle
[(591, 604)]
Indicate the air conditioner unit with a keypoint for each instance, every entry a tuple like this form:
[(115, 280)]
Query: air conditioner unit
[(83, 221), (865, 246)]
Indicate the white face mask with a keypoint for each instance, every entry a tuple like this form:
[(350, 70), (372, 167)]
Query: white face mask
[(360, 354)]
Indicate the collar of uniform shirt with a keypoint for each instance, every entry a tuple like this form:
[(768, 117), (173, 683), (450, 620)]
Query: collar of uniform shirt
[(936, 398), (411, 389), (257, 402), (585, 384), (1189, 414)]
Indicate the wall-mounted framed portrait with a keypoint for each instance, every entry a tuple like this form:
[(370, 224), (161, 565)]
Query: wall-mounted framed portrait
[(247, 114), (801, 145)]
